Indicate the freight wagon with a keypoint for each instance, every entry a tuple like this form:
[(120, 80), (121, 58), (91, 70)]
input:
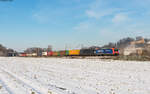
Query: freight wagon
[(29, 55), (74, 52), (55, 53), (34, 54), (86, 52), (22, 54), (49, 53), (62, 53), (67, 53), (44, 53)]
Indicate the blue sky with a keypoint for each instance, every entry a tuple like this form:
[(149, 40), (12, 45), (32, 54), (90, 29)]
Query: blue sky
[(71, 23)]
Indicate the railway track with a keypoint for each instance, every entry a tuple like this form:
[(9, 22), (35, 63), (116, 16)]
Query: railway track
[(79, 57), (91, 57)]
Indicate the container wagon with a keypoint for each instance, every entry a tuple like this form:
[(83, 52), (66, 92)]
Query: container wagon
[(45, 54), (67, 53), (56, 53), (22, 54), (62, 53), (74, 52), (86, 52), (50, 53)]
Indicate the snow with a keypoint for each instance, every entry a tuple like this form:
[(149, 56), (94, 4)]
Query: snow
[(73, 76)]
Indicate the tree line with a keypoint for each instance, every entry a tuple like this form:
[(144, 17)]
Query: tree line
[(5, 51)]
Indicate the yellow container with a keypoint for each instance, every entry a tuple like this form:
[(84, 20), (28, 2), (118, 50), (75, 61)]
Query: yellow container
[(74, 52)]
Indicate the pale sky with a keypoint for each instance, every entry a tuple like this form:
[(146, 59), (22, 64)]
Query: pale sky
[(71, 23)]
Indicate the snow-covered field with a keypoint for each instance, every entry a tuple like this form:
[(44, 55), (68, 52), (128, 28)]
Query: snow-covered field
[(73, 76)]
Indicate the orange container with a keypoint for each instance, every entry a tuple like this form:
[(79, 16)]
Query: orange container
[(74, 52)]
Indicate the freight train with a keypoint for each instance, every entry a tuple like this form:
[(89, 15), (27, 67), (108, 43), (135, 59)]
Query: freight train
[(81, 52)]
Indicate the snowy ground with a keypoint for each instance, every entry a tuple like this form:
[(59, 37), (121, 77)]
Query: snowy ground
[(73, 76)]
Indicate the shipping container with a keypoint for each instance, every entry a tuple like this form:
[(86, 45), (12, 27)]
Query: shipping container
[(56, 53), (62, 53), (50, 53), (86, 52), (23, 54), (67, 52), (34, 54), (74, 52), (29, 55), (44, 54)]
